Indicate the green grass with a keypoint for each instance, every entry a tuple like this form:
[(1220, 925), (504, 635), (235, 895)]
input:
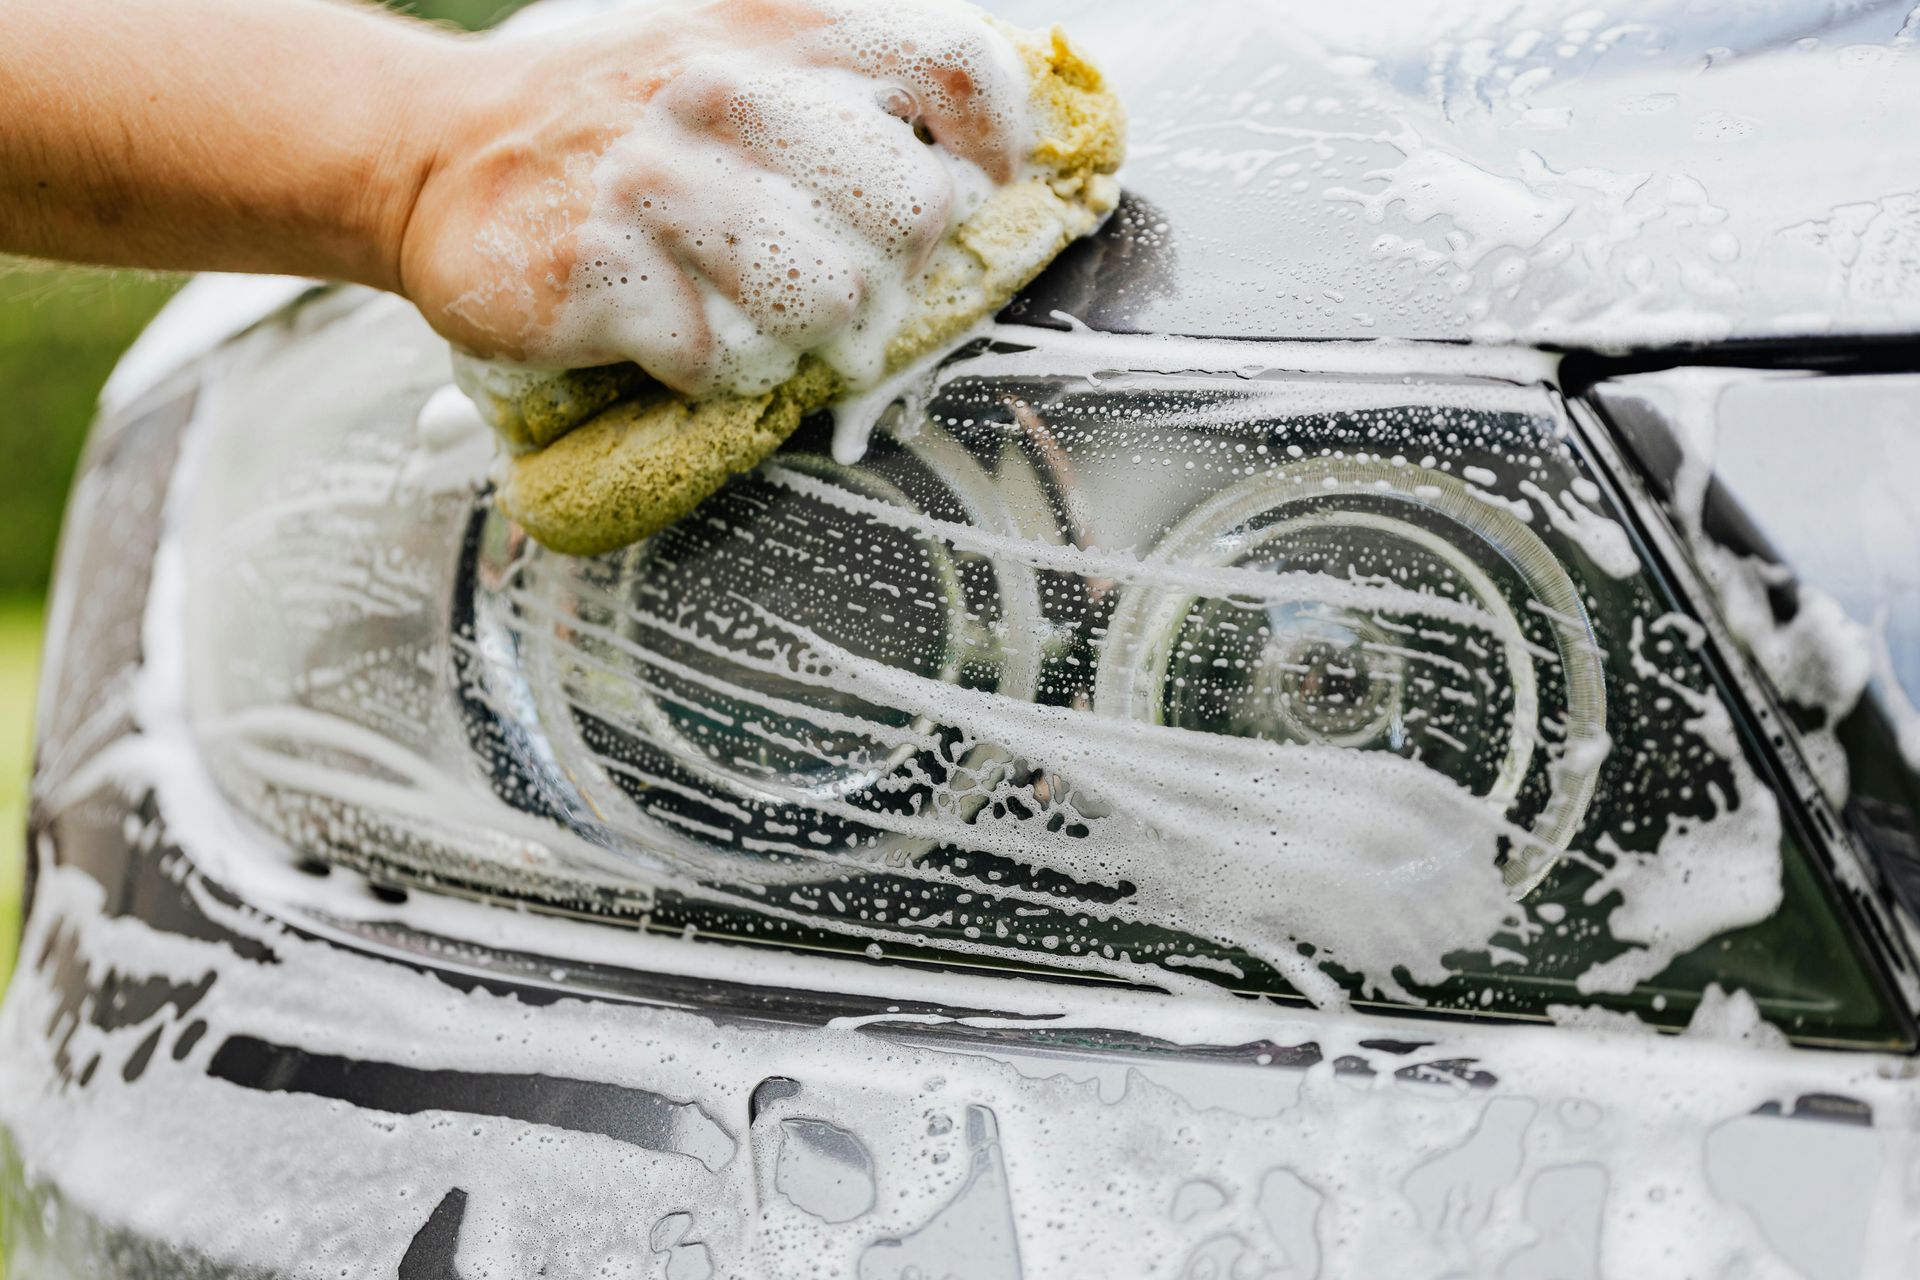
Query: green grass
[(19, 666), (20, 622), (61, 329), (459, 13), (60, 332)]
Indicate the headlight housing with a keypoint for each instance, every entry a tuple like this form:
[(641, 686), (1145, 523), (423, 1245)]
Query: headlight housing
[(1275, 667)]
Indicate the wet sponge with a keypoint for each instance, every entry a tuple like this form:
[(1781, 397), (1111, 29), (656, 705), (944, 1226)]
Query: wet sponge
[(629, 470), (643, 464)]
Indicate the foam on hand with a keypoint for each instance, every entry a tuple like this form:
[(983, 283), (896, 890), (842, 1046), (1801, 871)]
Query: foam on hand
[(907, 169), (846, 196)]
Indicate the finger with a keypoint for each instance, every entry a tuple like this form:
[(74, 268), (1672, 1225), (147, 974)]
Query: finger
[(967, 82), (630, 297), (764, 243), (828, 131)]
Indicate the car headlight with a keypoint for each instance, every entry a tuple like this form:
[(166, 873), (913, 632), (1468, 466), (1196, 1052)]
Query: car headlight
[(679, 737), (1464, 700), (1162, 661)]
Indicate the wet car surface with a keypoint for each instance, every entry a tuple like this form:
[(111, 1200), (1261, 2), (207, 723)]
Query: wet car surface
[(1320, 745)]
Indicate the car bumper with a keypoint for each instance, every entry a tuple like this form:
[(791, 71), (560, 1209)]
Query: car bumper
[(193, 1086)]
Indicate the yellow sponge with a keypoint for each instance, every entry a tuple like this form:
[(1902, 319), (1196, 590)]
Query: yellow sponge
[(644, 463)]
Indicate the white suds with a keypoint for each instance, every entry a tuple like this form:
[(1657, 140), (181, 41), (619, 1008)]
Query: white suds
[(1819, 659), (1600, 537), (718, 253), (1895, 699)]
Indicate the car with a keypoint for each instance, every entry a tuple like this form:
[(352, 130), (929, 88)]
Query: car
[(1360, 729)]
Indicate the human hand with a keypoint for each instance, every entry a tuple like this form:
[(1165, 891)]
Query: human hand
[(709, 189)]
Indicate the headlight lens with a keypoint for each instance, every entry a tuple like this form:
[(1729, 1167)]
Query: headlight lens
[(688, 735), (1463, 700), (1300, 682)]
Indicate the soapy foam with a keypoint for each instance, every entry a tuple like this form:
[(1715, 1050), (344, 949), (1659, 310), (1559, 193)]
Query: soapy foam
[(1085, 1141), (1600, 537), (1819, 659), (1726, 869), (1894, 696), (720, 251), (1251, 843)]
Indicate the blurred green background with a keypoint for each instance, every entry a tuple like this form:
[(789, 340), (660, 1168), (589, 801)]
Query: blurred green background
[(61, 329), (60, 332)]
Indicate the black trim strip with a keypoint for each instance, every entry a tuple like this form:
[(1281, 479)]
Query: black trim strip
[(1581, 371), (582, 1106)]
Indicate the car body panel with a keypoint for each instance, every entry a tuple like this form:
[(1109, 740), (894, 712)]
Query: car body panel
[(220, 1062), (262, 1099), (217, 1060), (1645, 175)]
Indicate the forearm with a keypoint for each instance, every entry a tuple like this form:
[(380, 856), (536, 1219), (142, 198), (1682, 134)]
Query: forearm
[(236, 135)]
